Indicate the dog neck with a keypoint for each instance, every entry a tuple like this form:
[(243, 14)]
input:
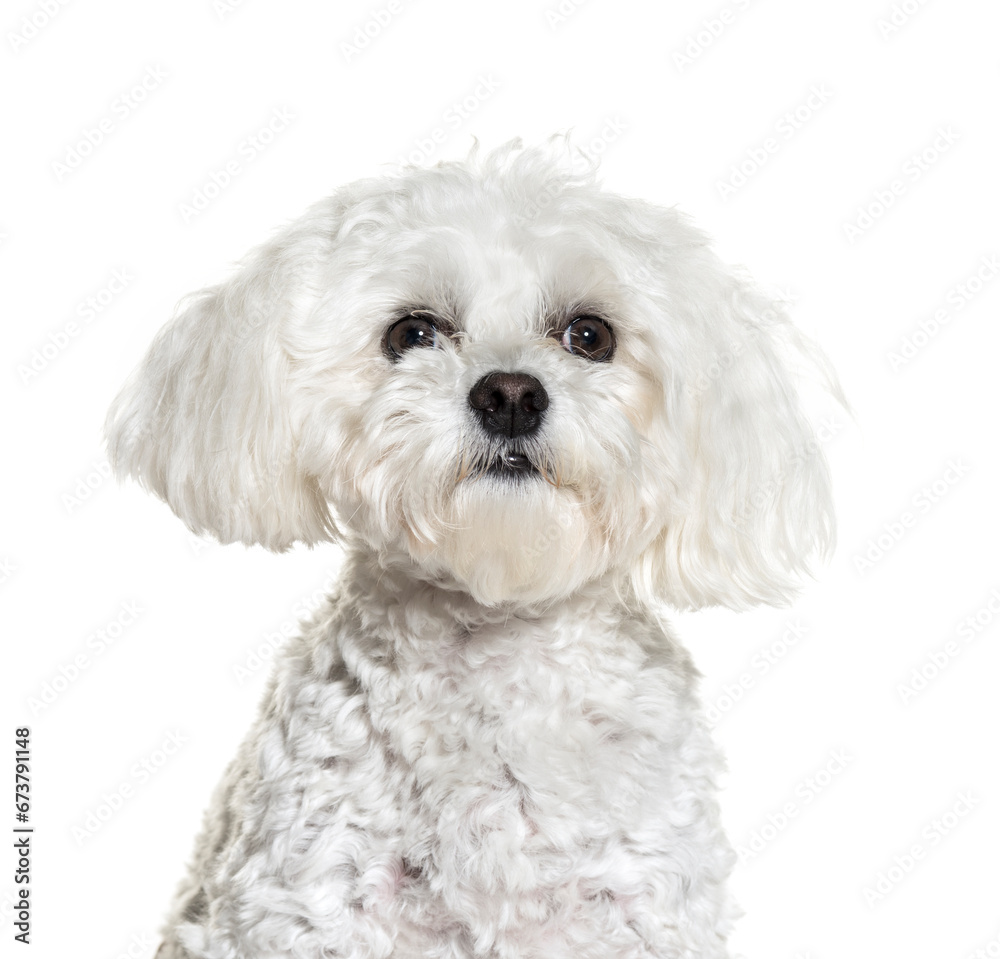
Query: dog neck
[(373, 578)]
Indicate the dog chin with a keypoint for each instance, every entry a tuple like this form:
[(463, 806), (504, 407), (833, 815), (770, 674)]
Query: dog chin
[(513, 537)]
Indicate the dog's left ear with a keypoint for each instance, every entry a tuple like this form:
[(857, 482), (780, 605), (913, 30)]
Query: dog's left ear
[(754, 503), (207, 420)]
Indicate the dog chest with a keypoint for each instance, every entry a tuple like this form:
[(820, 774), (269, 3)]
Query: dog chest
[(510, 746)]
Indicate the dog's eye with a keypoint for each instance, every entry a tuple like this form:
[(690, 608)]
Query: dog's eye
[(410, 332), (590, 337)]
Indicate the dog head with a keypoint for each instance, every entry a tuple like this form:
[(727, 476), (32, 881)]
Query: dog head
[(501, 374)]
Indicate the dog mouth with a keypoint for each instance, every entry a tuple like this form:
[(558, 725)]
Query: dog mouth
[(506, 465), (511, 465)]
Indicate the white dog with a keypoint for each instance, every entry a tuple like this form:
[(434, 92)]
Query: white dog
[(531, 411)]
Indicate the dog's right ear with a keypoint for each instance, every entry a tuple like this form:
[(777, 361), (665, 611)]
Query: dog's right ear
[(206, 421)]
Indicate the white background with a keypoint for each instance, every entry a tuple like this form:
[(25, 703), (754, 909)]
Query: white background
[(76, 548)]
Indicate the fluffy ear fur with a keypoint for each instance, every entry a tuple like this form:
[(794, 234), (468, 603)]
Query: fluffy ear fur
[(205, 422), (754, 507)]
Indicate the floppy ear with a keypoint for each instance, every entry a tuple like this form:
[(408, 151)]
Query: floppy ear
[(755, 501), (206, 421)]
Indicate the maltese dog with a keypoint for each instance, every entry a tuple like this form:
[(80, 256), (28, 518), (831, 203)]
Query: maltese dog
[(532, 412)]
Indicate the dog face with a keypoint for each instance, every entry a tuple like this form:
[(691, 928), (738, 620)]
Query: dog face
[(499, 374)]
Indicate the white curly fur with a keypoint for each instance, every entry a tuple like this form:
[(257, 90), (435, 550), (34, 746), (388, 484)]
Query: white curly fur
[(487, 744)]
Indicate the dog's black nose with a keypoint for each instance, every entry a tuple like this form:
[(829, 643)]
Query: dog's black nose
[(509, 404)]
